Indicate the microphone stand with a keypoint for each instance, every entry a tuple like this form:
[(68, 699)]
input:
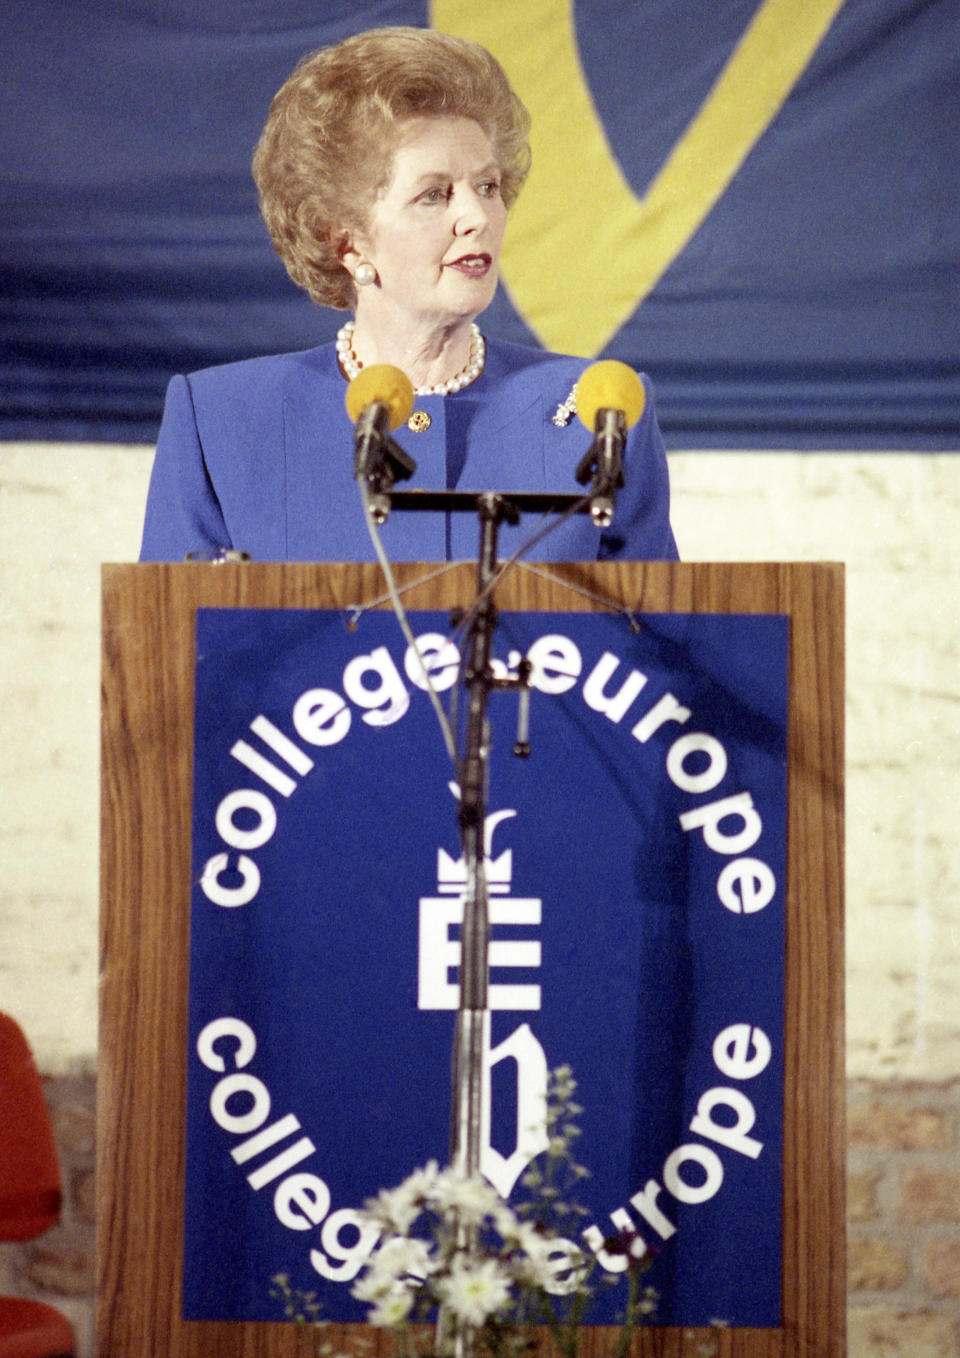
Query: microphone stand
[(468, 1073), (473, 1010), (493, 509), (479, 682)]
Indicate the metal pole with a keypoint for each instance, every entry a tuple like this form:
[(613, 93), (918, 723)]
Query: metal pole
[(468, 1044), (475, 931)]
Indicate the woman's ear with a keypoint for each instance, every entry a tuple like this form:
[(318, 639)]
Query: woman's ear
[(356, 261), (349, 248)]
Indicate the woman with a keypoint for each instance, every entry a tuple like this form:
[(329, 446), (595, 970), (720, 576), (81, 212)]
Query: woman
[(385, 171)]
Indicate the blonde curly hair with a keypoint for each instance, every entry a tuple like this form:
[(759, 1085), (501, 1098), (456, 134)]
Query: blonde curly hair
[(327, 147)]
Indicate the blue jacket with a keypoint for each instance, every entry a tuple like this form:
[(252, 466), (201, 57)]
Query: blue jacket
[(258, 456)]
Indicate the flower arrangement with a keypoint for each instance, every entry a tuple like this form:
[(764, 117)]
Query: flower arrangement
[(452, 1248)]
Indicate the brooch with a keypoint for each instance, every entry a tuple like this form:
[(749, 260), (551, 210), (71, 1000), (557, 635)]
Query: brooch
[(565, 410)]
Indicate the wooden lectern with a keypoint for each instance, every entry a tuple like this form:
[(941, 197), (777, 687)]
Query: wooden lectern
[(148, 675)]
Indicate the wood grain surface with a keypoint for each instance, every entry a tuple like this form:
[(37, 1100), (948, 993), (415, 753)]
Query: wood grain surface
[(147, 683)]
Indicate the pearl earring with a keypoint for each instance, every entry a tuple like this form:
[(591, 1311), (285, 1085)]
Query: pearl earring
[(365, 274)]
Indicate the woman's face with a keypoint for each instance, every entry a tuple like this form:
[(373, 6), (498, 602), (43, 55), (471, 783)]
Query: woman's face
[(434, 233)]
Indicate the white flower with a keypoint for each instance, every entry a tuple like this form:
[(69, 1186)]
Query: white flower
[(524, 1235), (392, 1308), (534, 1266), (398, 1208), (398, 1260), (563, 1085), (475, 1289), (551, 1262), (469, 1197)]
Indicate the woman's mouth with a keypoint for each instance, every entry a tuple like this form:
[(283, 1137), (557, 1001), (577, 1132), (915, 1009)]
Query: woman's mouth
[(474, 266)]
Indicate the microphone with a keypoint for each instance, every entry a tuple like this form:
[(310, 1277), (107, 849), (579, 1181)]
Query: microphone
[(378, 401), (610, 399)]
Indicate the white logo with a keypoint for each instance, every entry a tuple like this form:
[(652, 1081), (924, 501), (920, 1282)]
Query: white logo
[(439, 956)]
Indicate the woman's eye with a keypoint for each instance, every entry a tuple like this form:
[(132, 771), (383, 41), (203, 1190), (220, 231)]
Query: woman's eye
[(489, 188), (434, 195)]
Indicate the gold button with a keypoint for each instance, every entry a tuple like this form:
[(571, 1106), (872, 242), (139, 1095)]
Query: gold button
[(418, 422)]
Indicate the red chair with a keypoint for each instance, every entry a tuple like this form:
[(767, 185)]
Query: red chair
[(30, 1195)]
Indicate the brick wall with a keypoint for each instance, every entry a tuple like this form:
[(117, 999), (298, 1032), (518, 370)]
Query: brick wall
[(903, 1219), (903, 1212)]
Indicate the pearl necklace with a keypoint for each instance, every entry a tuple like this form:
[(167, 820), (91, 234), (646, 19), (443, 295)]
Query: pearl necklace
[(351, 365)]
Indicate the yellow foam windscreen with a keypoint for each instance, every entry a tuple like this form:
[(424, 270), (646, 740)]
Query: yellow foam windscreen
[(610, 385), (381, 382)]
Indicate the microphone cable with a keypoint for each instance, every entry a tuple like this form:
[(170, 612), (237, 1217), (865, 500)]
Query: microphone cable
[(401, 615)]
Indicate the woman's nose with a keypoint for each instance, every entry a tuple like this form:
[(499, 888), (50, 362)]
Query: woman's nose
[(473, 213)]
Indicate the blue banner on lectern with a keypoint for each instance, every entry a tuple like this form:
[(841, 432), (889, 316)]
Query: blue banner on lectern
[(636, 862)]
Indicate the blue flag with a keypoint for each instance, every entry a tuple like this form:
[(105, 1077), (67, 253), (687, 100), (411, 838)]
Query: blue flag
[(753, 202)]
